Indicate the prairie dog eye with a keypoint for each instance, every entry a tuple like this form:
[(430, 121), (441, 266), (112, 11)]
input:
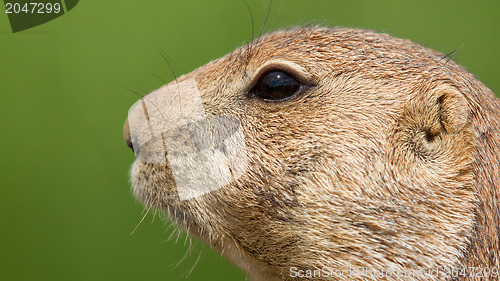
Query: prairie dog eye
[(276, 86)]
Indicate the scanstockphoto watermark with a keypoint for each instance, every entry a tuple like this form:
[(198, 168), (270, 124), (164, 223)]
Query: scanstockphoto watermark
[(375, 274)]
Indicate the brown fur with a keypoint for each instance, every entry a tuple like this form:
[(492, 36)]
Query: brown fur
[(388, 161)]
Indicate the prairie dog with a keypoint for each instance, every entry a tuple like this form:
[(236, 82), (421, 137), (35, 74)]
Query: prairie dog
[(328, 154)]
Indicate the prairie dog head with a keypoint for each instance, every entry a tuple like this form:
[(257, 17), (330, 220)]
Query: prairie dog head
[(317, 149)]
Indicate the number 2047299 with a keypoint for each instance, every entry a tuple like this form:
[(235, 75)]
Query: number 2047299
[(32, 8)]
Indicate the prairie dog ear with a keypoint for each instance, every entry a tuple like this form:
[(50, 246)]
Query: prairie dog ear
[(436, 114), (450, 106), (432, 125)]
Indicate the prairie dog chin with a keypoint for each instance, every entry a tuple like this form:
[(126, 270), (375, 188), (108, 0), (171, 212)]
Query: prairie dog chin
[(321, 149)]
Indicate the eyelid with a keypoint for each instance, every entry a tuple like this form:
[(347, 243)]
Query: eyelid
[(296, 71)]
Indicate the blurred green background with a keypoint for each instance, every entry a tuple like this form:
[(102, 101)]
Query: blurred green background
[(66, 211)]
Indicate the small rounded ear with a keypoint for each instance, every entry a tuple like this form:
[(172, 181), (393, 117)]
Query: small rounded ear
[(433, 124), (450, 106), (436, 113)]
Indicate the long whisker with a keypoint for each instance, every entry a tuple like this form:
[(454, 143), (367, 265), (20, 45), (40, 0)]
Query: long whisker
[(254, 42), (132, 91), (277, 13), (265, 19), (174, 231), (188, 253), (194, 265), (154, 216), (164, 56), (159, 78), (142, 219), (251, 18), (450, 55), (145, 98)]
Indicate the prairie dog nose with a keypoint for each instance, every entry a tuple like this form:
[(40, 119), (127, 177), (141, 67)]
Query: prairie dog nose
[(126, 134)]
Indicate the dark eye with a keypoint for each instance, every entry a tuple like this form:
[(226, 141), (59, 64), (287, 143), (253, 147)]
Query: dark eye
[(276, 86)]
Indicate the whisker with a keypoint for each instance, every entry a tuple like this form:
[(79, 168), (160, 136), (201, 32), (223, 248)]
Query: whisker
[(132, 91), (254, 42), (172, 234), (265, 20), (188, 253), (159, 78), (194, 265), (142, 219), (251, 18), (450, 55), (277, 13), (154, 215), (164, 56), (186, 239), (143, 97)]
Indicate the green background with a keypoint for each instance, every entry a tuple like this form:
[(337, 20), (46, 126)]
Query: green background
[(66, 211)]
